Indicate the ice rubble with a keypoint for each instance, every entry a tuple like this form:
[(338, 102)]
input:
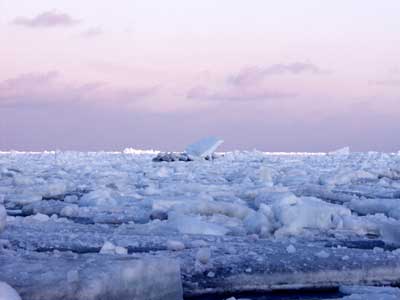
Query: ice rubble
[(222, 220)]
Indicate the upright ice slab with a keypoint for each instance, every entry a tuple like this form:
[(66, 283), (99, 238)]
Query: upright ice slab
[(341, 151), (205, 147)]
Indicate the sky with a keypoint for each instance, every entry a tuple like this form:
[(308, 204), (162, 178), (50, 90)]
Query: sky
[(286, 75)]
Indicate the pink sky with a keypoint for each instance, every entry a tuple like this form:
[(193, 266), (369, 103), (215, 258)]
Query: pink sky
[(277, 76)]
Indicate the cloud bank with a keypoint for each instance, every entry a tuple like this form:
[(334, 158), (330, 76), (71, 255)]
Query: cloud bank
[(255, 74), (50, 88), (249, 83), (236, 94), (46, 19)]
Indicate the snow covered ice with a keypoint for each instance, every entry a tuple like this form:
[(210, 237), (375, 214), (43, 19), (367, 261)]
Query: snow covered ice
[(116, 225)]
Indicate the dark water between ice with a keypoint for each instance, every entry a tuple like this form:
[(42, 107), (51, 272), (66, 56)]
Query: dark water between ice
[(277, 295)]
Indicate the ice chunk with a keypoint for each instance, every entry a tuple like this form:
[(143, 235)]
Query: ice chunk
[(121, 250), (40, 217), (100, 197), (175, 245), (204, 147), (370, 293), (346, 176), (296, 215), (273, 196), (3, 218), (341, 151), (7, 292), (24, 199), (389, 207), (258, 223), (291, 249), (110, 248), (55, 189), (322, 254), (203, 255), (70, 211), (195, 225)]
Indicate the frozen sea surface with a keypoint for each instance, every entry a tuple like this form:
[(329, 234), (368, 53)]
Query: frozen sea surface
[(104, 225)]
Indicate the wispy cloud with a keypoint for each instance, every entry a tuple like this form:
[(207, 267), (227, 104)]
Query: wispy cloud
[(386, 83), (46, 89), (249, 84), (92, 32), (236, 94), (256, 74), (46, 19)]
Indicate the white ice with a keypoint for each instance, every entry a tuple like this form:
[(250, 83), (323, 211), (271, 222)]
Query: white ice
[(204, 147), (7, 292), (231, 221)]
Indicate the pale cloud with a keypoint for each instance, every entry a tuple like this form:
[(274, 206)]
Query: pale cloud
[(46, 89), (256, 74), (236, 94), (386, 83), (92, 32), (46, 19), (249, 84)]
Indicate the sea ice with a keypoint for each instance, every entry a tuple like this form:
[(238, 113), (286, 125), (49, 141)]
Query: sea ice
[(270, 220)]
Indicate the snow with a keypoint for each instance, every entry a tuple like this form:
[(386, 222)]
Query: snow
[(247, 220), (7, 292), (204, 147)]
